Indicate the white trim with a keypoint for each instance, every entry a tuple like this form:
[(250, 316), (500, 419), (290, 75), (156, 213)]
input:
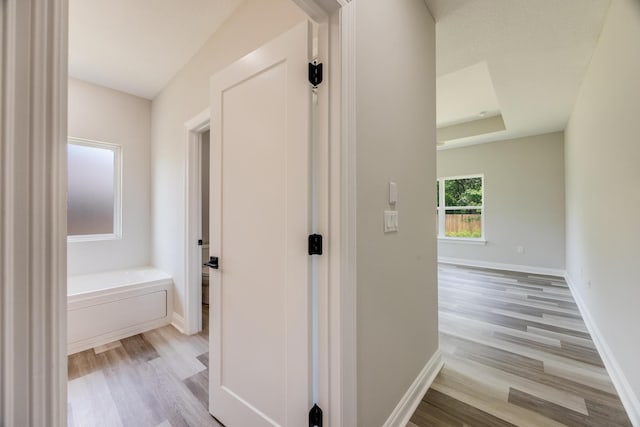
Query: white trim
[(629, 399), (177, 322), (345, 289), (337, 371), (473, 175), (406, 407), (92, 238), (462, 240), (192, 321), (320, 10), (500, 266), (33, 134), (341, 255), (117, 190), (320, 217), (200, 122)]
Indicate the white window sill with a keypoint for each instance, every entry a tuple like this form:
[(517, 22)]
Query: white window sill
[(92, 238), (462, 240)]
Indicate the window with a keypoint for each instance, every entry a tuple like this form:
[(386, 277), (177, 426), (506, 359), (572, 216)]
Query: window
[(93, 190), (460, 207)]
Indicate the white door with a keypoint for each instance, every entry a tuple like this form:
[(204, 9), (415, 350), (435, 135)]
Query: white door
[(260, 212)]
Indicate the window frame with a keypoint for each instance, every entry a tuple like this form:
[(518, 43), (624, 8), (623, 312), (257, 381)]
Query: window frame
[(441, 211), (117, 190)]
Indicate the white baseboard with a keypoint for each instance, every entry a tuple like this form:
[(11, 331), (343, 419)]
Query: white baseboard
[(627, 396), (406, 407), (500, 266), (178, 322), (92, 342)]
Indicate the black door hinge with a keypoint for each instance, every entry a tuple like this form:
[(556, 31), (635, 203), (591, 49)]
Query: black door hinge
[(315, 244), (315, 416), (315, 73), (200, 242)]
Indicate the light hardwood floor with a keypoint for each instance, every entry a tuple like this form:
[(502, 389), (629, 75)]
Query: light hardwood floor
[(159, 378), (516, 352)]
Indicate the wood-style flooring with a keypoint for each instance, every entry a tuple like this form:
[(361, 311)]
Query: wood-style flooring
[(516, 352), (156, 379)]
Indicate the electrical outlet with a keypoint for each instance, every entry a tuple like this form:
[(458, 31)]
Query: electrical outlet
[(520, 249)]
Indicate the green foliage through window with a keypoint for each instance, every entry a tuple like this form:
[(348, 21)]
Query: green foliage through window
[(463, 192), (460, 207)]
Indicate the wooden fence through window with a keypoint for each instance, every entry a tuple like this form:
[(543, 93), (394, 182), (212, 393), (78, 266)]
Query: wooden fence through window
[(463, 225)]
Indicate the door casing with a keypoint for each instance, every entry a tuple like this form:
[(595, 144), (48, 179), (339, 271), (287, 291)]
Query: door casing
[(191, 322)]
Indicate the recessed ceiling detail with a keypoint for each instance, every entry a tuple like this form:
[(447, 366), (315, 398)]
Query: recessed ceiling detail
[(535, 54), (484, 126), (466, 95)]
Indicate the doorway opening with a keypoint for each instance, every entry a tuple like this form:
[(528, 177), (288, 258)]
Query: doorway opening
[(204, 227), (197, 226), (56, 328)]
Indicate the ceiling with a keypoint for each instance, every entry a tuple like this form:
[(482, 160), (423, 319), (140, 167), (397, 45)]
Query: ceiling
[(137, 46), (522, 59), (518, 61)]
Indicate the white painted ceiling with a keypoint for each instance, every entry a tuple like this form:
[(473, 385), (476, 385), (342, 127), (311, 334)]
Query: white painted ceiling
[(536, 53), (137, 46), (473, 85)]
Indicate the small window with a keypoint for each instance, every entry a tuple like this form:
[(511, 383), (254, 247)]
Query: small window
[(460, 207), (93, 190)]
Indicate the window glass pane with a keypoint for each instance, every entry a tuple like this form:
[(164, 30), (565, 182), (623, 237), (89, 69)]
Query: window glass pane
[(463, 223), (438, 193), (463, 192), (90, 200)]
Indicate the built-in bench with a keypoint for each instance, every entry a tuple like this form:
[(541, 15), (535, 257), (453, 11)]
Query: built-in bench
[(105, 307)]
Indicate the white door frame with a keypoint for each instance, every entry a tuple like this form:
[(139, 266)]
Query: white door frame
[(33, 212), (337, 296), (33, 121), (192, 321)]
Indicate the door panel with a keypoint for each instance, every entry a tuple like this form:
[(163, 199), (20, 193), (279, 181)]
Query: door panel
[(259, 222)]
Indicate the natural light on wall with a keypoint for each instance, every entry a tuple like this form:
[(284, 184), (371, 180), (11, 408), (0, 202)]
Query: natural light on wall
[(460, 207), (93, 194)]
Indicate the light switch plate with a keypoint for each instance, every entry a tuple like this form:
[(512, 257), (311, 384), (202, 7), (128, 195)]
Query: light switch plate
[(390, 221), (393, 193)]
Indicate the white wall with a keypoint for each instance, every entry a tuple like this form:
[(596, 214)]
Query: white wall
[(524, 200), (603, 197), (102, 114), (252, 24), (397, 313)]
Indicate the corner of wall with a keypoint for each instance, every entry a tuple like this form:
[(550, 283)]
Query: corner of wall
[(402, 413)]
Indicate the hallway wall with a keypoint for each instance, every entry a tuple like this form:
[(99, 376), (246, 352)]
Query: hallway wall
[(603, 200), (397, 313), (524, 201), (107, 115)]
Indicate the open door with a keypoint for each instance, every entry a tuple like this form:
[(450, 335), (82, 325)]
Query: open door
[(260, 345)]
